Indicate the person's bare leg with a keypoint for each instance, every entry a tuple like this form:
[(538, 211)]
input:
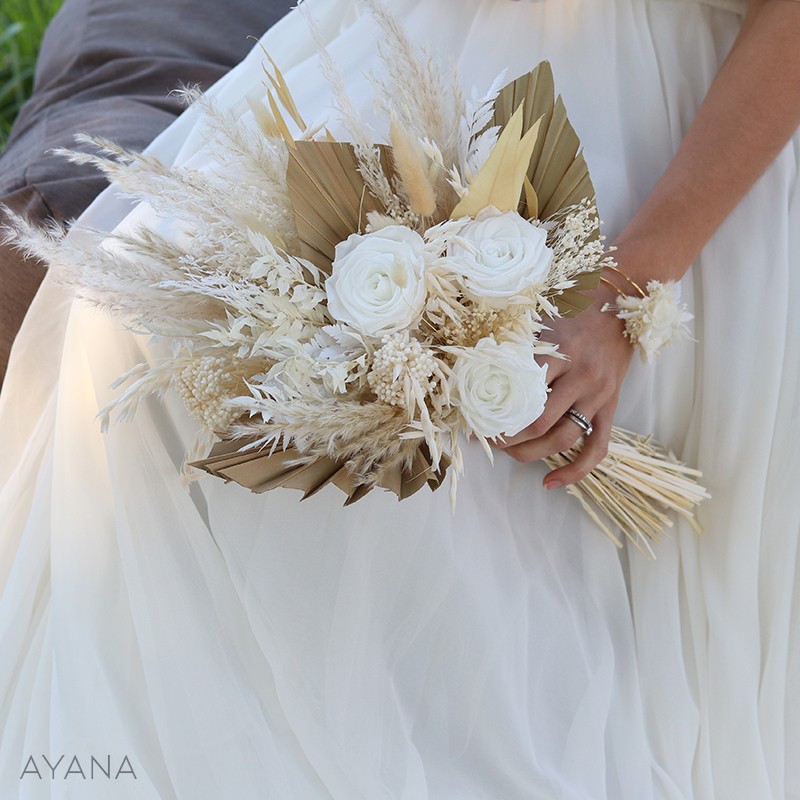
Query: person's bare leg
[(19, 279)]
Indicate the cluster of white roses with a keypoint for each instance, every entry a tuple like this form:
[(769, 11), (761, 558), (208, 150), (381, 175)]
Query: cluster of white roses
[(380, 286)]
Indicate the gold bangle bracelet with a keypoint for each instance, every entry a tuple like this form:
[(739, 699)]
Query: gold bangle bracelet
[(630, 280)]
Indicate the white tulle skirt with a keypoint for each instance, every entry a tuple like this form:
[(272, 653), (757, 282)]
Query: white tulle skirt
[(241, 646)]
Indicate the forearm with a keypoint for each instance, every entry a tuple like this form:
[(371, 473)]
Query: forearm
[(750, 112)]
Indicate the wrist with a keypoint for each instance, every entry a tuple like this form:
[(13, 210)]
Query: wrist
[(643, 258)]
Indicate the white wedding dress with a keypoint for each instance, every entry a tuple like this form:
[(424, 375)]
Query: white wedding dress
[(239, 646)]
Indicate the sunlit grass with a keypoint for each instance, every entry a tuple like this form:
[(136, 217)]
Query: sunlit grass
[(22, 23)]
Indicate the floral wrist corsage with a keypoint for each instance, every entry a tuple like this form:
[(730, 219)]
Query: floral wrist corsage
[(653, 317)]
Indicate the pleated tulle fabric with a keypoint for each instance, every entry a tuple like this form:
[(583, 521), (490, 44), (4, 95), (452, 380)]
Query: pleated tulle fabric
[(242, 646)]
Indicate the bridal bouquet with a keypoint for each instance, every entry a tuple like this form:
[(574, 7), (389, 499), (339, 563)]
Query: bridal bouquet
[(347, 312)]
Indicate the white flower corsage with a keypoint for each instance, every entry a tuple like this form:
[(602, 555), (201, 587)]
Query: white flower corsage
[(653, 317)]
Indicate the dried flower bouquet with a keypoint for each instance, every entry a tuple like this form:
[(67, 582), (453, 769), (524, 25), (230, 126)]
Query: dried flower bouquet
[(347, 312)]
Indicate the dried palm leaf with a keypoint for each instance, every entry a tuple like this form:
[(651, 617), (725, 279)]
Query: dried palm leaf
[(574, 301), (557, 175), (501, 179), (558, 172), (329, 196), (263, 470)]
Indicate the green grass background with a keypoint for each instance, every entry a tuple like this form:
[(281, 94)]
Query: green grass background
[(22, 23)]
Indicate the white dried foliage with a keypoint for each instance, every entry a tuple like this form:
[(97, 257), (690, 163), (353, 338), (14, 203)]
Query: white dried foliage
[(476, 136), (415, 89), (118, 281), (332, 428), (574, 236), (361, 137)]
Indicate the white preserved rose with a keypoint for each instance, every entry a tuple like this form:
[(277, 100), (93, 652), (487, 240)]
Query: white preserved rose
[(501, 256), (377, 283), (498, 388)]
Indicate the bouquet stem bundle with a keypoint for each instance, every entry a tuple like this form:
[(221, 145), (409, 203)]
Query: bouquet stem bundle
[(634, 488)]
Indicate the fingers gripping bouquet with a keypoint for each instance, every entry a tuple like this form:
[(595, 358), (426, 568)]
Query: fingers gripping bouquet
[(347, 312)]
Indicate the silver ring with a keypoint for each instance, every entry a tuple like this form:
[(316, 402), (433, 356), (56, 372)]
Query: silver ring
[(582, 421)]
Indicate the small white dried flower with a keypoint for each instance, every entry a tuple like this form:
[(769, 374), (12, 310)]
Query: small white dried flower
[(205, 385), (399, 364), (577, 247), (653, 321)]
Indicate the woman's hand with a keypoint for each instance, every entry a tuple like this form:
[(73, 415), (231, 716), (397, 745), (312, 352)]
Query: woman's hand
[(748, 115), (589, 380)]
